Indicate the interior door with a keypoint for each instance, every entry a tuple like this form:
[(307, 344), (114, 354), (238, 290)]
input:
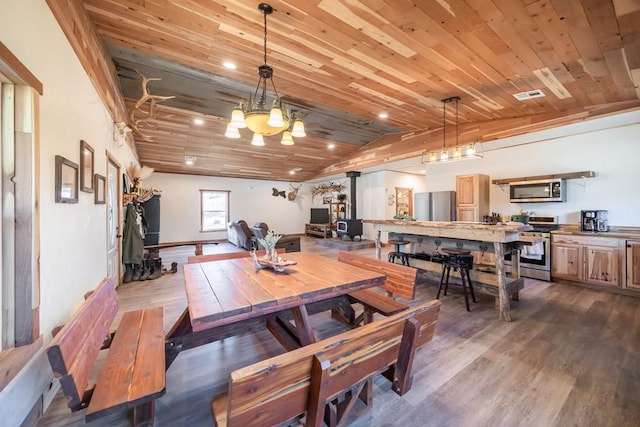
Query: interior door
[(113, 221)]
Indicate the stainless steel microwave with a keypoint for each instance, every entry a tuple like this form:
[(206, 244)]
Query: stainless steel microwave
[(544, 190)]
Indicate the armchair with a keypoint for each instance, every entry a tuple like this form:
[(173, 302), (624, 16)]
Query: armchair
[(239, 234), (288, 243)]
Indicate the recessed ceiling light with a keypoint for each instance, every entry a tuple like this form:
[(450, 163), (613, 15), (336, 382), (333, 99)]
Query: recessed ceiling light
[(292, 172), (331, 146), (189, 160), (229, 65), (383, 115), (198, 121)]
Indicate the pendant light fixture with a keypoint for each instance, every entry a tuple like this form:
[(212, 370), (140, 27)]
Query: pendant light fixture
[(260, 116), (471, 150)]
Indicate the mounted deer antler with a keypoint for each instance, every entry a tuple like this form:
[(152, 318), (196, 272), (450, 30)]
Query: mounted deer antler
[(294, 192), (137, 123)]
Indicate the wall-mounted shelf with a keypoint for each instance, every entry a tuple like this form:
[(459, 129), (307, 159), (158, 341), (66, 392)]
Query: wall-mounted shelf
[(572, 175)]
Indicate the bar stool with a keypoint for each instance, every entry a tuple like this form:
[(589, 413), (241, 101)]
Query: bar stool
[(402, 256), (461, 261)]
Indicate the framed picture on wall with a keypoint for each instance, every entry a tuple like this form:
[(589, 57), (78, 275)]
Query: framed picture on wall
[(99, 183), (86, 167), (66, 181), (125, 183), (326, 200)]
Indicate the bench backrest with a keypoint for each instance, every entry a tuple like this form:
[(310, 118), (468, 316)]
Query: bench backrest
[(217, 257), (279, 389), (73, 351), (401, 280)]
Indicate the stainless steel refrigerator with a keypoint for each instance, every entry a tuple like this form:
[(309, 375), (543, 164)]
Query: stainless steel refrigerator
[(435, 206)]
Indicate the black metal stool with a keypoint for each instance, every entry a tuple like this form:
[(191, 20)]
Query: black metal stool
[(402, 256), (460, 262)]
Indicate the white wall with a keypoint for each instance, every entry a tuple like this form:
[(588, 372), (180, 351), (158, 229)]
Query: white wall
[(608, 146), (72, 236), (251, 200)]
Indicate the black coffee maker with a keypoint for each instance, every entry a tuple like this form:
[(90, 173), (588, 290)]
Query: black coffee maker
[(594, 221)]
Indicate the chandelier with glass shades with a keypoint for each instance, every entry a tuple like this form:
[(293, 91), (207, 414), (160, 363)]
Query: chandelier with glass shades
[(471, 150), (262, 118)]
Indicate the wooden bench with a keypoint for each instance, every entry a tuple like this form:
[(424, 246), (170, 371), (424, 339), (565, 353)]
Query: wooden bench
[(401, 280), (330, 375), (133, 372), (217, 257), (197, 243)]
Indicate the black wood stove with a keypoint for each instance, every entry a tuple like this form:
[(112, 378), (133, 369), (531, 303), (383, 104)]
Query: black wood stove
[(351, 227)]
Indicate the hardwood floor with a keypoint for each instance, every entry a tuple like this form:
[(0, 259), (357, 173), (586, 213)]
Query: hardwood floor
[(570, 357)]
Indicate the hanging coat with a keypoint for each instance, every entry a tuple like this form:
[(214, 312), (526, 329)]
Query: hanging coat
[(132, 240)]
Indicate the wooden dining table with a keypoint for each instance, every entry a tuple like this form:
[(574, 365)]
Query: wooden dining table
[(230, 297)]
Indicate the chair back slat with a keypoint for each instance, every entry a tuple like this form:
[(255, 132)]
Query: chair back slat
[(275, 390), (217, 257), (401, 280)]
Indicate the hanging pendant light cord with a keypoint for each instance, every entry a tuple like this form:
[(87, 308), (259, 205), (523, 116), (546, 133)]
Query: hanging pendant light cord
[(457, 131), (265, 38), (444, 125)]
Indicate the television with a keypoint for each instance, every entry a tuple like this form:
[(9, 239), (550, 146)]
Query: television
[(320, 216)]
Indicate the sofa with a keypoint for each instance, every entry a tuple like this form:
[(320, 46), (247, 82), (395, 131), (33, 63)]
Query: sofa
[(240, 235), (288, 243)]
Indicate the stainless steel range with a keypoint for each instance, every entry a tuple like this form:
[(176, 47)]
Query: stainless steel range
[(535, 261)]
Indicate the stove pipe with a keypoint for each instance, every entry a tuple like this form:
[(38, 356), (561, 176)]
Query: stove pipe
[(353, 175)]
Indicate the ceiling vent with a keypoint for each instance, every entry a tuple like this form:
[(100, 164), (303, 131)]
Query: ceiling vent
[(536, 93)]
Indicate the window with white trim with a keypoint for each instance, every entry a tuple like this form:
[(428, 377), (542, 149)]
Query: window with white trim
[(214, 210)]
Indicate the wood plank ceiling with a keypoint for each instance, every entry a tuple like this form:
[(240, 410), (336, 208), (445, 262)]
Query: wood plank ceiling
[(342, 62)]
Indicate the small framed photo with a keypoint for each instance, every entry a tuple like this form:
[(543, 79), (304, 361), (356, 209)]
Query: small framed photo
[(326, 200), (66, 181), (86, 167), (99, 184), (126, 185)]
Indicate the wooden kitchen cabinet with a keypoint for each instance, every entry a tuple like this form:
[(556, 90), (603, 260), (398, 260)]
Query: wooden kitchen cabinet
[(589, 259), (567, 261), (472, 197), (601, 265), (633, 264)]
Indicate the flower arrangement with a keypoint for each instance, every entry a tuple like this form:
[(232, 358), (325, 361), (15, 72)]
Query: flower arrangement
[(269, 241), (136, 175)]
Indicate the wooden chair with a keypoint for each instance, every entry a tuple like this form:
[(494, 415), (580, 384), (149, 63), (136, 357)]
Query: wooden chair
[(133, 372), (217, 257), (324, 380), (401, 280)]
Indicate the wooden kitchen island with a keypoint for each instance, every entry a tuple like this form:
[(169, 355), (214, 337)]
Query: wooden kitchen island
[(498, 239)]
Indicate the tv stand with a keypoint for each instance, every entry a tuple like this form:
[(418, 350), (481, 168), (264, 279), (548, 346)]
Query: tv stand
[(322, 230)]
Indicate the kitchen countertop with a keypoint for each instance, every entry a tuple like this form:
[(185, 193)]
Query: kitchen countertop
[(453, 229), (615, 234)]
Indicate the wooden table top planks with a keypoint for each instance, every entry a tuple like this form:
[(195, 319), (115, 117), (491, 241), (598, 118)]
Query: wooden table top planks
[(228, 291)]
